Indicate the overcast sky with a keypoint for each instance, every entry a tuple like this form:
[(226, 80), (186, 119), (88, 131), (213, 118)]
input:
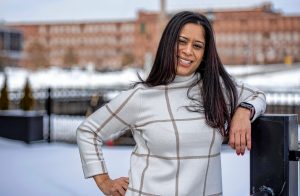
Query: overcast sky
[(53, 10)]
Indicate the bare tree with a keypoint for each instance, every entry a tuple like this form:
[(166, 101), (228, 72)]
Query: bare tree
[(70, 57), (3, 61), (37, 55), (127, 59)]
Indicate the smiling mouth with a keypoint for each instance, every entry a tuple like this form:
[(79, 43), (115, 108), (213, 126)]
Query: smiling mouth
[(184, 62)]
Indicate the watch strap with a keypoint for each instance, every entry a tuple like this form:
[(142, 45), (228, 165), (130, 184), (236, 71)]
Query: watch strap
[(249, 107)]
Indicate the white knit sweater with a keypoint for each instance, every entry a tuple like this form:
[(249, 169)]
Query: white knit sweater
[(176, 153)]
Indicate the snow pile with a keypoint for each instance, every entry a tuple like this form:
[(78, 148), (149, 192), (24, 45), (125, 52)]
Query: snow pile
[(74, 78), (283, 79), (265, 77)]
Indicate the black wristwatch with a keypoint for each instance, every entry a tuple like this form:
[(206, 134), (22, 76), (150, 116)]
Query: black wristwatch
[(249, 107)]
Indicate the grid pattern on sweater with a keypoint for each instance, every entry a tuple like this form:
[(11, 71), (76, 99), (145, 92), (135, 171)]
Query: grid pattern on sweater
[(171, 142)]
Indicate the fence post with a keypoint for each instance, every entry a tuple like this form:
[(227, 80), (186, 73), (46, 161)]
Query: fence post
[(49, 111), (274, 155)]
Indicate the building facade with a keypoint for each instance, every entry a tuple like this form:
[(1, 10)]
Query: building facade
[(258, 35), (107, 45), (11, 41)]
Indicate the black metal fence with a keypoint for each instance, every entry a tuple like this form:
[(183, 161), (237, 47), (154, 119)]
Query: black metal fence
[(72, 103), (283, 159), (283, 101), (82, 101), (62, 101)]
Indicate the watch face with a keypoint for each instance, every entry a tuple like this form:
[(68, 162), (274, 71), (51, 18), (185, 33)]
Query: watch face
[(249, 107), (246, 105)]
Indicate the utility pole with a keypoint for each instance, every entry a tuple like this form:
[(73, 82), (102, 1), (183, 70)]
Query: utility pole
[(161, 22), (162, 16)]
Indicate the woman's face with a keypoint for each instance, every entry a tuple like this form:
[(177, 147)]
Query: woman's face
[(191, 45)]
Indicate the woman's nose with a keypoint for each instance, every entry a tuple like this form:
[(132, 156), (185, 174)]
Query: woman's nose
[(188, 49)]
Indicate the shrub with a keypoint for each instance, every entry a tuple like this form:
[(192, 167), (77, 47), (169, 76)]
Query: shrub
[(27, 101), (4, 101)]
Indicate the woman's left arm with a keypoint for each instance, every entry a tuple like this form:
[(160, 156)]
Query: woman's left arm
[(251, 104)]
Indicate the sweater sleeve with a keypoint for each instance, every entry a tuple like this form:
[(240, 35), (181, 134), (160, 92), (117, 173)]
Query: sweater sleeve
[(253, 96), (108, 122)]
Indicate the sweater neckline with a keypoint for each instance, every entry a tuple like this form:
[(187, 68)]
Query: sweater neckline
[(180, 79)]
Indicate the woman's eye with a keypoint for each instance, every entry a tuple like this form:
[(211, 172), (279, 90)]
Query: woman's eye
[(180, 41), (198, 46)]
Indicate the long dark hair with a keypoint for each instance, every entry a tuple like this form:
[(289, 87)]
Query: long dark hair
[(219, 95)]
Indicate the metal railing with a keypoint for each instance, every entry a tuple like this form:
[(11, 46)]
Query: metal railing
[(83, 101), (77, 101)]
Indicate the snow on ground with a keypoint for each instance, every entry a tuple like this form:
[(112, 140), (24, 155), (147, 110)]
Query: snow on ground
[(74, 78), (288, 77), (279, 80), (245, 69), (283, 98), (64, 127), (55, 169)]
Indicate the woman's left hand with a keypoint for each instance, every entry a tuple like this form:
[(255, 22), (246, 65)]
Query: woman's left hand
[(240, 131)]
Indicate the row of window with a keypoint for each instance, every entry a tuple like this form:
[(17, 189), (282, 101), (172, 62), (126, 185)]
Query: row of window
[(114, 63), (61, 29), (254, 24), (87, 28), (100, 40), (85, 52), (126, 28), (257, 37), (103, 62), (271, 52), (287, 36)]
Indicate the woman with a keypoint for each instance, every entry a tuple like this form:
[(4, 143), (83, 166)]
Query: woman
[(179, 117)]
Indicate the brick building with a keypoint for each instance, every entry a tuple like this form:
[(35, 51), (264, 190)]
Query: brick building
[(108, 45), (10, 46), (258, 35)]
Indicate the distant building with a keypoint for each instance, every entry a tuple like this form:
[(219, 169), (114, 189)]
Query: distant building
[(10, 46), (107, 45), (259, 35)]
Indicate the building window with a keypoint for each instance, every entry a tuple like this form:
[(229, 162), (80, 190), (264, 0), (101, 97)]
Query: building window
[(258, 37), (127, 28), (295, 37), (243, 22), (142, 28), (15, 41), (287, 37), (42, 30)]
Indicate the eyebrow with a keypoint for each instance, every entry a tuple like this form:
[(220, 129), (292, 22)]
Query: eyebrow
[(180, 36)]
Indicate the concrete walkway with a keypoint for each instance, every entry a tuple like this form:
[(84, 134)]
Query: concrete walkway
[(55, 169)]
